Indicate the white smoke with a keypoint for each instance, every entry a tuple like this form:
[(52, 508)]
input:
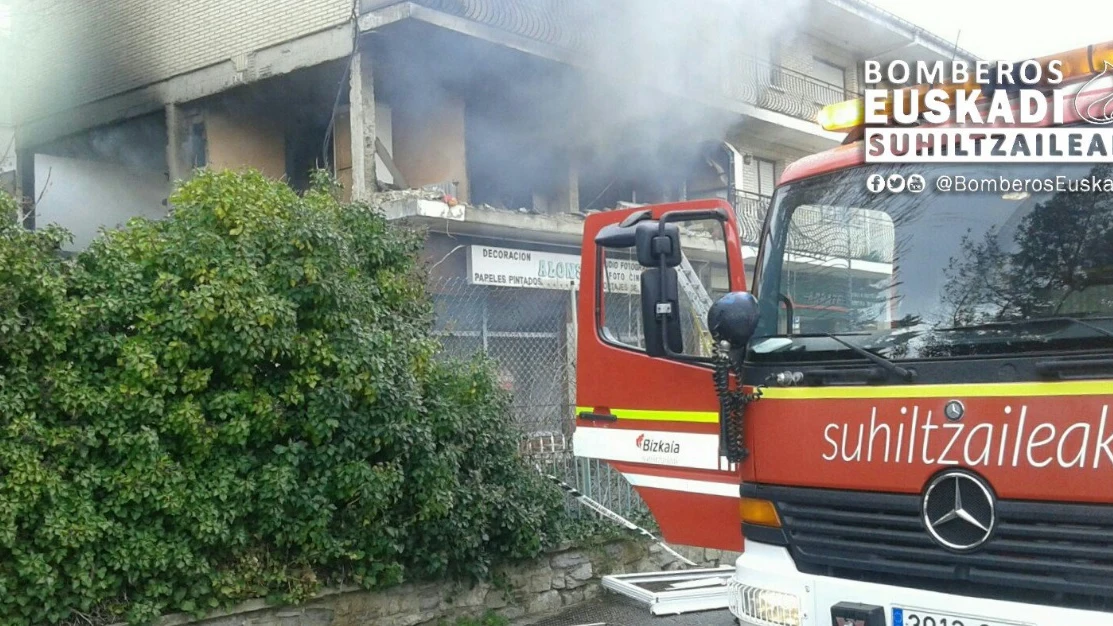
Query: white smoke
[(644, 82), (659, 58)]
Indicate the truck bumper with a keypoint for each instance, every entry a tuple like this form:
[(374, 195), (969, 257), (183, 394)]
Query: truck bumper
[(767, 590)]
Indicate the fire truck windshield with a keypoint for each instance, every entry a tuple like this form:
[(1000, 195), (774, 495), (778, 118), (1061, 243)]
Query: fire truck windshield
[(934, 275)]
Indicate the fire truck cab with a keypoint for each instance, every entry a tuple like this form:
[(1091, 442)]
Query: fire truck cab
[(930, 445)]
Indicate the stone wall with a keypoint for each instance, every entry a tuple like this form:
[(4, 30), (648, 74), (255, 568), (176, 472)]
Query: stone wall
[(563, 577)]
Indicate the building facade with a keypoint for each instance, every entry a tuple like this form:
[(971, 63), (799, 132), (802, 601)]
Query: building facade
[(516, 118), (7, 117)]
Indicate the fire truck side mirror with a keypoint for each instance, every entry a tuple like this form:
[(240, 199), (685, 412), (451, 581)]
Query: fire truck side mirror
[(654, 244), (661, 312)]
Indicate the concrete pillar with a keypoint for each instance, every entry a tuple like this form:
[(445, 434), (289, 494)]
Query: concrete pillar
[(361, 98), (566, 197), (25, 185), (178, 166), (573, 184)]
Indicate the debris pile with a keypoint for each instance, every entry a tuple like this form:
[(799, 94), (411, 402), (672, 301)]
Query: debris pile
[(396, 195)]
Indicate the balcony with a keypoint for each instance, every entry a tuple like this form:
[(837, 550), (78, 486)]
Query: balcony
[(751, 209), (574, 31), (780, 89), (823, 232)]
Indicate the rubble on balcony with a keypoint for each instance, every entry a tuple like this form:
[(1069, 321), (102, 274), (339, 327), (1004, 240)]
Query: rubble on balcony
[(433, 203), (425, 202), (567, 227), (436, 204)]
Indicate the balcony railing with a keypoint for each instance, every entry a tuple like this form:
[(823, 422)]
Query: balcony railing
[(751, 209), (777, 88), (816, 231)]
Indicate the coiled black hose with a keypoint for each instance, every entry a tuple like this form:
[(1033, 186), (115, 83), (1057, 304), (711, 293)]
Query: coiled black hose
[(732, 408)]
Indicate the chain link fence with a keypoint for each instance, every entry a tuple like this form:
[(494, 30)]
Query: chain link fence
[(530, 334)]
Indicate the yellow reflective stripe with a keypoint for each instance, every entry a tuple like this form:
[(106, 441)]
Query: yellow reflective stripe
[(973, 390), (705, 417), (1015, 390)]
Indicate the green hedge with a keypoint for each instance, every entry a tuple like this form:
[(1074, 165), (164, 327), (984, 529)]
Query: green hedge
[(240, 401)]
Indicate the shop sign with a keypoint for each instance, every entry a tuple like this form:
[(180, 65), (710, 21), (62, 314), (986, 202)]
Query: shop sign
[(512, 267)]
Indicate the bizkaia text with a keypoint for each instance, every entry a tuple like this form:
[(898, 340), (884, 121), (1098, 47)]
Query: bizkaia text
[(1016, 439), (657, 445)]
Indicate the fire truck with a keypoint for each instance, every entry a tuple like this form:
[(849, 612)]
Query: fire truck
[(932, 446)]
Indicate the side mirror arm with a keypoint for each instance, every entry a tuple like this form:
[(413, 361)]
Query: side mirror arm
[(671, 310), (675, 216)]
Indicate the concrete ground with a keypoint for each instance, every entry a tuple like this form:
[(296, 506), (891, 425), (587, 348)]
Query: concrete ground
[(615, 610)]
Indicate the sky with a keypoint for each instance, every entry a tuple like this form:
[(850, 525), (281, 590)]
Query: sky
[(1008, 29)]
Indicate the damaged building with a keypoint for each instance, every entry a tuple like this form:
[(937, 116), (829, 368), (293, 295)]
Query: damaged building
[(7, 118), (508, 121)]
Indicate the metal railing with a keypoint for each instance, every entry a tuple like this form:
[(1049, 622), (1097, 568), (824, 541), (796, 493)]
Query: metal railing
[(821, 231), (807, 87), (814, 230), (842, 233), (778, 88), (750, 209)]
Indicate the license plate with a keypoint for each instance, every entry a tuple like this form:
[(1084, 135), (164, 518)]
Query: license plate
[(920, 617)]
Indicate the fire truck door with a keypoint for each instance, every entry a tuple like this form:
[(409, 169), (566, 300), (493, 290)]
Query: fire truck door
[(652, 418)]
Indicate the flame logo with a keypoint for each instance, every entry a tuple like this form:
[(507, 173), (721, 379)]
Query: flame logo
[(639, 440), (1099, 111)]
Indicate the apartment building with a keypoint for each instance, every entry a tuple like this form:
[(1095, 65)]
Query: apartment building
[(7, 118), (517, 117), (466, 94)]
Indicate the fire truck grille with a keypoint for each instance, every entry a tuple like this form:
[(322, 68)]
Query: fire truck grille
[(1044, 553)]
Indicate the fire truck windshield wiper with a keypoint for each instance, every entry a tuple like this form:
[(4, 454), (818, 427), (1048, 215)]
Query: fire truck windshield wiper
[(904, 373), (1034, 322)]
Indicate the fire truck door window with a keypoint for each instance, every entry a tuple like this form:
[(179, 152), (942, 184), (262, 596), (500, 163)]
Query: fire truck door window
[(838, 270), (702, 280)]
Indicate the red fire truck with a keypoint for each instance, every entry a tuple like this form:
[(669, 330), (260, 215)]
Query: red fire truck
[(937, 450)]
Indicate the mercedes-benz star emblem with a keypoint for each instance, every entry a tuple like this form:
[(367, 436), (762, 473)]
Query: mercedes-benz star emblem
[(959, 510), (954, 410)]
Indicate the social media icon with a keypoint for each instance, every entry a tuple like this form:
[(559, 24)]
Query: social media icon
[(895, 183), (875, 183), (916, 183)]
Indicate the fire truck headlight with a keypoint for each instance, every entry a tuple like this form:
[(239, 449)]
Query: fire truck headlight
[(764, 606)]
